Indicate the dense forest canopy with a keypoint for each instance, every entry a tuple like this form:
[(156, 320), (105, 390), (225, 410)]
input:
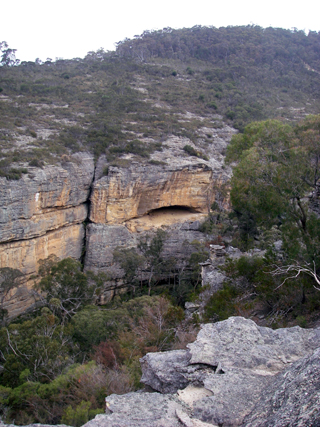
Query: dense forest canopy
[(227, 45)]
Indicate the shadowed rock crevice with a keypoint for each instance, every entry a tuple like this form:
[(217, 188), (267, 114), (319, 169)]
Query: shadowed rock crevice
[(174, 210)]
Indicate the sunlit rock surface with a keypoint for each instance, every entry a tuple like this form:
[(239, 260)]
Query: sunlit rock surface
[(133, 192)]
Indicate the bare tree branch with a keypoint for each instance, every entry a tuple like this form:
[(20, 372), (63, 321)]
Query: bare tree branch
[(297, 269)]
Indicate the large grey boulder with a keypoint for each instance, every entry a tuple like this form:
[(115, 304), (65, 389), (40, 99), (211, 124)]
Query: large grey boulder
[(233, 360), (164, 372), (240, 343), (292, 399), (139, 410)]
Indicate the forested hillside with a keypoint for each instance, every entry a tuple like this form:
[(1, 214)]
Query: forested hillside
[(241, 73), (60, 360), (251, 70)]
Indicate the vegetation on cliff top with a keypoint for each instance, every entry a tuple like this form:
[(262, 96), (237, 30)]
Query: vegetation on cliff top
[(108, 100)]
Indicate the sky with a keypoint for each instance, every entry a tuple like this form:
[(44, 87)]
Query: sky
[(71, 28)]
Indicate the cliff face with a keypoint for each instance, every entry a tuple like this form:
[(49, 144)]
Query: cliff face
[(24, 255), (42, 214), (45, 199), (130, 193), (134, 202), (172, 191)]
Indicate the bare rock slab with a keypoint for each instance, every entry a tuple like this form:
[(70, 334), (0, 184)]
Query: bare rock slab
[(240, 343), (292, 399), (234, 360), (139, 410)]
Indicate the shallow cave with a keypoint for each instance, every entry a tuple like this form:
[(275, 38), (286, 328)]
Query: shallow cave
[(173, 210), (165, 216)]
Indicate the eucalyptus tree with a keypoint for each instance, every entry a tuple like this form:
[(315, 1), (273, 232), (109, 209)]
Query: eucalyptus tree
[(276, 184)]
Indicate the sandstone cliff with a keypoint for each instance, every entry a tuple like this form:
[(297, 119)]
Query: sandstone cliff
[(130, 193), (172, 191), (42, 214)]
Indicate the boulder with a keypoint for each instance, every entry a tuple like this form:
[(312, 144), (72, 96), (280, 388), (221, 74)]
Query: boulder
[(139, 410), (234, 360), (292, 398), (162, 371)]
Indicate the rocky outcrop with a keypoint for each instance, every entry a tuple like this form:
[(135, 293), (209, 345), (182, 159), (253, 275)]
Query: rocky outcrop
[(132, 192), (40, 215), (158, 411), (235, 374), (102, 240), (292, 399), (45, 199), (234, 360)]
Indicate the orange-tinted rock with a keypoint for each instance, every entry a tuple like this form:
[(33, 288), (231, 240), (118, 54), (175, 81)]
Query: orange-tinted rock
[(24, 255), (130, 193), (42, 214)]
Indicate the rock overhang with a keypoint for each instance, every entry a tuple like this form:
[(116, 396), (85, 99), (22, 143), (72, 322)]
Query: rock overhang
[(133, 192)]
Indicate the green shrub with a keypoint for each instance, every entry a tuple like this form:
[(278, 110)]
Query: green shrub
[(76, 416), (36, 163), (230, 114), (221, 304), (301, 321), (157, 162), (193, 152), (212, 105), (13, 173), (190, 150)]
